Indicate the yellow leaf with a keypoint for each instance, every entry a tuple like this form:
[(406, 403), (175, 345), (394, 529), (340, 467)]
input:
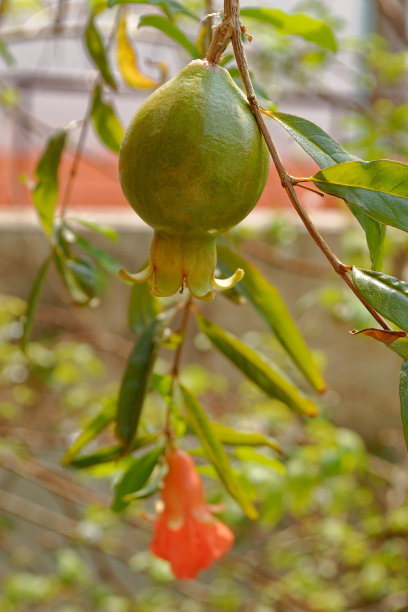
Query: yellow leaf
[(126, 59), (201, 40)]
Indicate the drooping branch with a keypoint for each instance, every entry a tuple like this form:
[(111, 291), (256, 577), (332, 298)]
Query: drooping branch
[(231, 15)]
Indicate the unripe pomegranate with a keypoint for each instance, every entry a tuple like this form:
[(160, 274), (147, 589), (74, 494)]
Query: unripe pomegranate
[(192, 164)]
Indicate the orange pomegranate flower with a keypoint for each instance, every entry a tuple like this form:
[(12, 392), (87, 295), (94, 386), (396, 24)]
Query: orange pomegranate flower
[(186, 533)]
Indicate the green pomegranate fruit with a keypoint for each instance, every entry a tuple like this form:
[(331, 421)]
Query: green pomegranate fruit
[(192, 164)]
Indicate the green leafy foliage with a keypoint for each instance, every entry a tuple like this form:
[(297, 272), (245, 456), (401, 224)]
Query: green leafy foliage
[(135, 477), (388, 295), (230, 436), (109, 454), (94, 427), (170, 7), (135, 382), (268, 303), (404, 399), (379, 188), (97, 52), (105, 121), (5, 54), (327, 152), (258, 370), (170, 29), (299, 24), (45, 192), (143, 308), (33, 300), (103, 230), (215, 452)]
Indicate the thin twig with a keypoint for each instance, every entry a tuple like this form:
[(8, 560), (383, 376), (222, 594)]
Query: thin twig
[(84, 128), (231, 8)]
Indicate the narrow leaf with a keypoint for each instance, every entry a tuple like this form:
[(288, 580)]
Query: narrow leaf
[(151, 488), (386, 294), (311, 29), (33, 300), (135, 382), (6, 55), (170, 29), (259, 371), (403, 389), (45, 193), (375, 235), (143, 308), (105, 122), (170, 7), (96, 50), (232, 437), (327, 152), (88, 277), (267, 301), (91, 430), (103, 259), (104, 230), (400, 346), (109, 453), (249, 455), (379, 188), (316, 142), (215, 452), (135, 477), (70, 280), (126, 59)]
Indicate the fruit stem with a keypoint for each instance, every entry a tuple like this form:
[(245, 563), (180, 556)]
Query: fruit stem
[(220, 40), (231, 10)]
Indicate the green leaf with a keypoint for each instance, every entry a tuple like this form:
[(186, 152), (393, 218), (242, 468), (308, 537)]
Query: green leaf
[(400, 347), (109, 453), (311, 29), (260, 372), (215, 452), (171, 30), (379, 188), (327, 152), (88, 277), (102, 258), (170, 7), (91, 430), (375, 235), (105, 121), (70, 280), (232, 437), (6, 55), (45, 193), (33, 300), (143, 307), (320, 146), (104, 230), (135, 477), (151, 488), (267, 301), (96, 50), (249, 455), (136, 379), (403, 389), (386, 294)]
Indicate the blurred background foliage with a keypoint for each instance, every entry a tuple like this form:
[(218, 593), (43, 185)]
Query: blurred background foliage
[(333, 526)]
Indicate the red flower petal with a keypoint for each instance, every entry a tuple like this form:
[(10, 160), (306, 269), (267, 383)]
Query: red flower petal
[(186, 533), (192, 547)]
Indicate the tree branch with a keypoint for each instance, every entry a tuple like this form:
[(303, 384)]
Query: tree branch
[(232, 12)]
